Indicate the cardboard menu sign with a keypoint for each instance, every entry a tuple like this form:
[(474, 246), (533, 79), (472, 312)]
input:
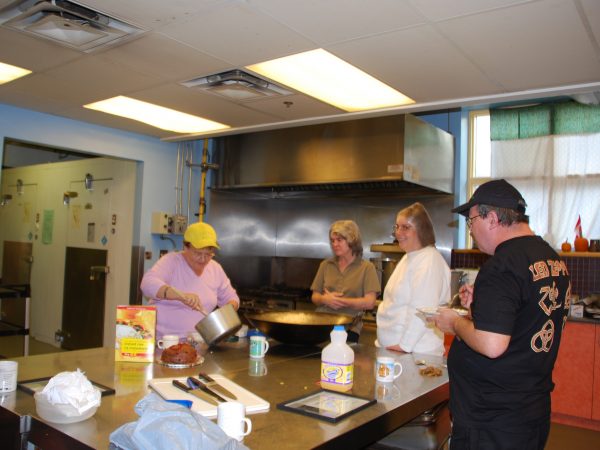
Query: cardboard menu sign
[(135, 333)]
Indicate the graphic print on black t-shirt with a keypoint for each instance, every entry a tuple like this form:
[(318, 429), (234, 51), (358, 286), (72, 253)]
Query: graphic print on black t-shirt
[(547, 271)]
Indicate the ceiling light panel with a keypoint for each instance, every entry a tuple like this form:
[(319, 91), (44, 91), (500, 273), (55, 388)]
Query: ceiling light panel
[(328, 78), (9, 73), (156, 116)]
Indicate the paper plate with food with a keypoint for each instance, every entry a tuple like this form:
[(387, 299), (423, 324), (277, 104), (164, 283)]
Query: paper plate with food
[(430, 311)]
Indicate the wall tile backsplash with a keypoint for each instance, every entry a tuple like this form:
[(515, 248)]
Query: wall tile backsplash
[(584, 270)]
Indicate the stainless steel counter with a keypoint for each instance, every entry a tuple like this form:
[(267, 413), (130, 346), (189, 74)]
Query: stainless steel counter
[(290, 372)]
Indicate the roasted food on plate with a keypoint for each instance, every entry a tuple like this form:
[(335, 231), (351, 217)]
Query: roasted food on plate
[(179, 354)]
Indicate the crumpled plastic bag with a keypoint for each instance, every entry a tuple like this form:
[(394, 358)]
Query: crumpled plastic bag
[(72, 388), (167, 426)]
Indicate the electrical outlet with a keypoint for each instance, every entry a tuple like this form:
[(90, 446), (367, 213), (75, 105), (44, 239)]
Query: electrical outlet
[(148, 255)]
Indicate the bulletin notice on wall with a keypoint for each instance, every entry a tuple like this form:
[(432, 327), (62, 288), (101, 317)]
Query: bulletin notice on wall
[(135, 333), (47, 226)]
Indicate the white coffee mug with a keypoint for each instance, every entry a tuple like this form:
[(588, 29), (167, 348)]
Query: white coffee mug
[(8, 375), (231, 419), (387, 369), (168, 340), (258, 346)]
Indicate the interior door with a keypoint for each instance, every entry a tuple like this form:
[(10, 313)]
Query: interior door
[(18, 229), (83, 304), (86, 269)]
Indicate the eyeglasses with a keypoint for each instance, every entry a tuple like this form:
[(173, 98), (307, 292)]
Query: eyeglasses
[(403, 227), (201, 254), (471, 219)]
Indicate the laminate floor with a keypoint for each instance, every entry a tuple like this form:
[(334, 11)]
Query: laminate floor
[(564, 437)]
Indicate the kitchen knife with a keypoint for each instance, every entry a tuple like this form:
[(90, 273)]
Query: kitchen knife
[(212, 384), (197, 384), (196, 392)]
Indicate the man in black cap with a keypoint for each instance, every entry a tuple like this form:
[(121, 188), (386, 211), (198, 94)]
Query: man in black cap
[(500, 363)]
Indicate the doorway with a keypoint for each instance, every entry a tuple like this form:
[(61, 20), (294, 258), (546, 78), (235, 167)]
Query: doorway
[(83, 302), (61, 231)]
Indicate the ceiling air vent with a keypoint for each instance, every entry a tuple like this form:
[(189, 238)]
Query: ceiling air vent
[(237, 85), (67, 23)]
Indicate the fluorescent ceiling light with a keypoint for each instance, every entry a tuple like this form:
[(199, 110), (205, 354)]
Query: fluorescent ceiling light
[(156, 116), (9, 73), (322, 75)]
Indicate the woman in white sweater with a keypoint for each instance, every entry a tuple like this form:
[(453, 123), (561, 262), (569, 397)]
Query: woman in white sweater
[(421, 279)]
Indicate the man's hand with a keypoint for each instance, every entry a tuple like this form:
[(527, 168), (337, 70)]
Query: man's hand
[(466, 295), (445, 320)]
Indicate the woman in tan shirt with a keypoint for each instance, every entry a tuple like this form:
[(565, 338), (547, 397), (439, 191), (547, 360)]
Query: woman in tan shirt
[(345, 283)]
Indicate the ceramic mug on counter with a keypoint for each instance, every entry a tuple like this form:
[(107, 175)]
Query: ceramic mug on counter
[(231, 418), (258, 346), (167, 341), (387, 369), (8, 376)]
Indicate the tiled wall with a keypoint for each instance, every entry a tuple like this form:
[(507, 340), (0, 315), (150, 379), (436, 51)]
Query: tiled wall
[(584, 270)]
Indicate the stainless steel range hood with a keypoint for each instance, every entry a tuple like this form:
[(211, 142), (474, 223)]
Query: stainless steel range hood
[(394, 154)]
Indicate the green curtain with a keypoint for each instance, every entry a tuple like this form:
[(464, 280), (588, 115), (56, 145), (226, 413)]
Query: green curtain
[(543, 120)]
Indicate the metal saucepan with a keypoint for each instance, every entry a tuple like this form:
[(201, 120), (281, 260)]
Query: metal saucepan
[(219, 324), (298, 327)]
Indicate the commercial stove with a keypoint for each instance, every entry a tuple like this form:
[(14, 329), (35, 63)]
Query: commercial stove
[(274, 298)]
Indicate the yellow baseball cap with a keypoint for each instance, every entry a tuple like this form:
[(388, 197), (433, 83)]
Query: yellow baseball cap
[(201, 235)]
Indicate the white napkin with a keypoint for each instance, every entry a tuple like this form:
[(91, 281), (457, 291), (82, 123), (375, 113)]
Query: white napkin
[(72, 388)]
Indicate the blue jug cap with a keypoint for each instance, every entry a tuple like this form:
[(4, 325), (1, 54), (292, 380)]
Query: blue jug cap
[(339, 328)]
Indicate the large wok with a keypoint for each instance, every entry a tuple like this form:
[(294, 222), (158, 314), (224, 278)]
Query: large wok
[(298, 327)]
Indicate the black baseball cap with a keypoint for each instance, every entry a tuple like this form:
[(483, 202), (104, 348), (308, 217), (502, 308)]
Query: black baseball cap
[(494, 193)]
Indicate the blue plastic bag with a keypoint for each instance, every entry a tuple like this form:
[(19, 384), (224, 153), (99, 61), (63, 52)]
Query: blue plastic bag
[(168, 426)]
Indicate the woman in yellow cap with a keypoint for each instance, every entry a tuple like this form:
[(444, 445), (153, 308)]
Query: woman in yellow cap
[(185, 286)]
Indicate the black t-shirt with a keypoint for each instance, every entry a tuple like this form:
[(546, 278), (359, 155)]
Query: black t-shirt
[(522, 291)]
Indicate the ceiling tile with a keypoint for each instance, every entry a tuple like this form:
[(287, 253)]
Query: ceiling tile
[(591, 9), (164, 58), (301, 107), (151, 14), (238, 35), (417, 71), (43, 87), (436, 10), (98, 78), (353, 18), (202, 104), (31, 100), (31, 53), (512, 51)]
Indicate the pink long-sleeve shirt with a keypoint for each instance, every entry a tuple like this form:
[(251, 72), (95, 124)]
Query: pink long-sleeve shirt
[(173, 317)]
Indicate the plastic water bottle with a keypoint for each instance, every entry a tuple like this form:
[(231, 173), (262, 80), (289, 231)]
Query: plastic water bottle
[(337, 362)]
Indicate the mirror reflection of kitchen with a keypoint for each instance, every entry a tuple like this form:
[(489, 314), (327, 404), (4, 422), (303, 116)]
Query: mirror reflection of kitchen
[(61, 232)]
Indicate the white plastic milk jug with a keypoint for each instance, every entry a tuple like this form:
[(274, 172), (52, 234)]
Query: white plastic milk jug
[(337, 362)]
